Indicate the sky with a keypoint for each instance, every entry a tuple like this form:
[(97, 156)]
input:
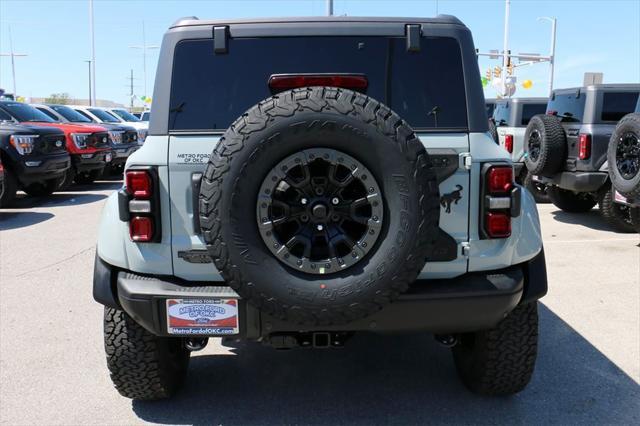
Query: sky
[(593, 36)]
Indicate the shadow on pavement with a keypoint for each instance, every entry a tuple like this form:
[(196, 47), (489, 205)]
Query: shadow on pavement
[(101, 185), (591, 219), (20, 220), (57, 199), (406, 379)]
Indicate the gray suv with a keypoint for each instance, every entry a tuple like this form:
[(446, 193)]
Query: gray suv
[(567, 147), (307, 179)]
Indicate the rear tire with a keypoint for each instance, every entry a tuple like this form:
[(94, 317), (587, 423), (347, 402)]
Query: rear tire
[(537, 189), (569, 201), (500, 361), (617, 215), (9, 189), (545, 145), (142, 366)]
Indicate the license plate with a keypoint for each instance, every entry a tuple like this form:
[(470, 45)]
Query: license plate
[(619, 198), (211, 317), (107, 157)]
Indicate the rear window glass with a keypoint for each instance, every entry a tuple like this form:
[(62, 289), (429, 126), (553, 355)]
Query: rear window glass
[(501, 114), (209, 91), (616, 105), (529, 110), (568, 107)]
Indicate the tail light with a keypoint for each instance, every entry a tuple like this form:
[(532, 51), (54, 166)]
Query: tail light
[(584, 146), (139, 204), (508, 143), (500, 201), (282, 82), (138, 184)]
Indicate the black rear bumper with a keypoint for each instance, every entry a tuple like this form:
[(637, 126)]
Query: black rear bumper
[(473, 301), (578, 181)]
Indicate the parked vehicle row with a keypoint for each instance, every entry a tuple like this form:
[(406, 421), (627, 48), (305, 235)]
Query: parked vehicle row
[(47, 147), (559, 147)]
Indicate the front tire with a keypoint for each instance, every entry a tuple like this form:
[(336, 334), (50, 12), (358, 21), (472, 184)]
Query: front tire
[(142, 366), (569, 201), (500, 361), (9, 189)]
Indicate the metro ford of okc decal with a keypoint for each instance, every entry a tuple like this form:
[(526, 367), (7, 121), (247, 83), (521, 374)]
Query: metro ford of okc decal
[(192, 158), (210, 317)]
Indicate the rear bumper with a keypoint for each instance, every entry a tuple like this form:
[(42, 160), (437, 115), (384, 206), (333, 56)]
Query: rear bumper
[(474, 301), (577, 181)]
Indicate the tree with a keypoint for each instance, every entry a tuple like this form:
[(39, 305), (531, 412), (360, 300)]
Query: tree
[(57, 98)]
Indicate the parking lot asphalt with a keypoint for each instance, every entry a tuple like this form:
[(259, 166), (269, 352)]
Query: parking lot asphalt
[(53, 369)]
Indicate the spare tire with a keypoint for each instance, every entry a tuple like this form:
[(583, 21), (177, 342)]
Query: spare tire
[(623, 156), (319, 206), (545, 145), (493, 131)]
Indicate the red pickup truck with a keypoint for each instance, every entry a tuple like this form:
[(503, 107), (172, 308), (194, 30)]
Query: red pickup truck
[(88, 146)]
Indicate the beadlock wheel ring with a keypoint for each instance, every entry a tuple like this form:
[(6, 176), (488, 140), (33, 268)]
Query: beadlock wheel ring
[(628, 155), (320, 211)]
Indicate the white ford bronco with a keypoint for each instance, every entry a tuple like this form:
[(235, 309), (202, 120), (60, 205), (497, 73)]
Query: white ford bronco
[(307, 179), (511, 117)]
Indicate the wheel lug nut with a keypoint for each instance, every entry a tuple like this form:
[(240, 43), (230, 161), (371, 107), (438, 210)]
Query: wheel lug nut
[(335, 200), (304, 201)]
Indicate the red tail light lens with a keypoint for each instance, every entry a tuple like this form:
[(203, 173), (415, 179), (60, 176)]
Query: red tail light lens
[(498, 225), (584, 146), (281, 82), (500, 179), (141, 229), (139, 184), (508, 143)]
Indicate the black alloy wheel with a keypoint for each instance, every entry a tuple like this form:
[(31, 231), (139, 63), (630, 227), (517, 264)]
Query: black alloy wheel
[(320, 211), (628, 156)]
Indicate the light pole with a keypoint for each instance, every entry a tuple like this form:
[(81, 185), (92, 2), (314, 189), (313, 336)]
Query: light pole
[(89, 63), (505, 51), (12, 54), (144, 48), (552, 53), (329, 7), (92, 65)]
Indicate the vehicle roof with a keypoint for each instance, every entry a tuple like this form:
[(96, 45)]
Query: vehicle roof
[(194, 21), (192, 28), (594, 87), (523, 100)]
